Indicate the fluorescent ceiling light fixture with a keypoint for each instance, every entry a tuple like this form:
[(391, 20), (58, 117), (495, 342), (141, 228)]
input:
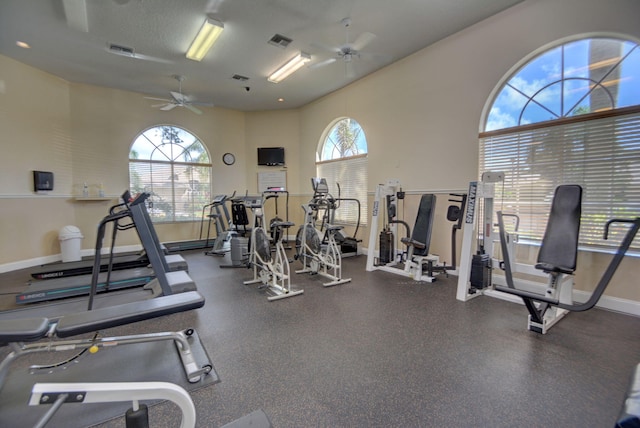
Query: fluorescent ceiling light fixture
[(289, 68), (207, 36)]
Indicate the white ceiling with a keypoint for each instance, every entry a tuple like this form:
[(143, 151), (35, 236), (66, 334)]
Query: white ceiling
[(160, 31)]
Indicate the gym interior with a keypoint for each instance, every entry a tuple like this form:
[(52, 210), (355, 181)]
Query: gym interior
[(286, 338)]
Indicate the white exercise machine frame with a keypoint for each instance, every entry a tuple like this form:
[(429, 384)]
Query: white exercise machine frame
[(270, 270), (560, 287), (413, 265), (56, 394), (318, 257)]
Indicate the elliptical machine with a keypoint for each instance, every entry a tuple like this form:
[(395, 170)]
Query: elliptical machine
[(271, 270), (319, 254)]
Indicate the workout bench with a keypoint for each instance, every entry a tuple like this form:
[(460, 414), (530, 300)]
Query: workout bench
[(557, 258), (16, 333)]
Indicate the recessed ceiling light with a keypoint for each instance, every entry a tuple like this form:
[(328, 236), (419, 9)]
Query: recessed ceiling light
[(280, 100), (23, 44)]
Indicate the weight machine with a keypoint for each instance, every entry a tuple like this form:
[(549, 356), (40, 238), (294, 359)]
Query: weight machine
[(416, 262), (549, 301)]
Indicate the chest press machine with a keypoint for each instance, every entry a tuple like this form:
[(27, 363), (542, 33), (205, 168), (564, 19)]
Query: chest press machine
[(557, 258)]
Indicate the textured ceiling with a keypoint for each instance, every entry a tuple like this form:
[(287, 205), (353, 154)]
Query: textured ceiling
[(160, 31)]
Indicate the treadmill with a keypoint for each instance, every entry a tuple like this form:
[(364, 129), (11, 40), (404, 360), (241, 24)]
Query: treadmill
[(108, 278), (85, 266), (218, 214)]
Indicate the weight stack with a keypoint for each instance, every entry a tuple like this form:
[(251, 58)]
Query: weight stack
[(480, 271), (386, 247)]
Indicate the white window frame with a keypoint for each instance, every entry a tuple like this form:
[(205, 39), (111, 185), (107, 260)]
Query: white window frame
[(179, 184), (349, 172), (599, 151)]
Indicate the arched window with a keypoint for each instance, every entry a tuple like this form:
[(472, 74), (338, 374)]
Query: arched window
[(342, 159), (173, 166), (569, 115)]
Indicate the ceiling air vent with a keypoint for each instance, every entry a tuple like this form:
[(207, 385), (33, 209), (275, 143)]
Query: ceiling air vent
[(121, 50), (280, 41), (239, 78)]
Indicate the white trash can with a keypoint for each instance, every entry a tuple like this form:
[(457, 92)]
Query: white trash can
[(70, 243)]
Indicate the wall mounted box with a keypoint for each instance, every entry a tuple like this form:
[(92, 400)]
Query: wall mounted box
[(42, 180)]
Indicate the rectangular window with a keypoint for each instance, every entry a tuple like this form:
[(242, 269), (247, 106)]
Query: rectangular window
[(351, 174), (178, 191), (601, 154)]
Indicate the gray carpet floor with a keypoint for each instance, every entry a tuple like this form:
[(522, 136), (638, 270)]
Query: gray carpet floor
[(384, 351)]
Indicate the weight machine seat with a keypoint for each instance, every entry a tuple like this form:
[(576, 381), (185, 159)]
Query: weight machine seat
[(559, 250), (23, 330), (630, 414), (114, 316), (421, 236), (330, 227), (32, 329)]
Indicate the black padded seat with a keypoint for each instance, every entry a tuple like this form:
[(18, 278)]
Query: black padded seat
[(23, 330), (421, 236), (282, 224), (559, 250), (114, 316), (413, 242)]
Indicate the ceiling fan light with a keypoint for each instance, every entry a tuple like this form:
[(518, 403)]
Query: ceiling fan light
[(289, 68), (204, 40)]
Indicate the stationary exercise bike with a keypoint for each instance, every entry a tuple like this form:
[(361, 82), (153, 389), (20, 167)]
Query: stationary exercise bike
[(319, 254), (271, 270)]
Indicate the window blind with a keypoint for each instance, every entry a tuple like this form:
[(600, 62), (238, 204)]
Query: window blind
[(602, 155), (351, 174)]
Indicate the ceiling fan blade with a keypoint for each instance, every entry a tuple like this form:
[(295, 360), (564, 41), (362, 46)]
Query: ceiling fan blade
[(168, 107), (158, 105), (195, 103), (322, 63), (178, 97), (363, 40), (192, 108), (325, 47), (157, 99)]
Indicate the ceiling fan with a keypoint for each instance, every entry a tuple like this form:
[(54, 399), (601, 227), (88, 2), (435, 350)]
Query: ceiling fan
[(178, 99), (349, 51)]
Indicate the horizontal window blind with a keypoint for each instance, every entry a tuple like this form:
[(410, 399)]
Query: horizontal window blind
[(602, 155), (178, 191), (351, 174)]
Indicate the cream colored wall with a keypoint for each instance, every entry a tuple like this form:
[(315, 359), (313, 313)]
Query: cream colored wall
[(105, 122), (273, 129), (427, 108), (422, 114), (34, 119)]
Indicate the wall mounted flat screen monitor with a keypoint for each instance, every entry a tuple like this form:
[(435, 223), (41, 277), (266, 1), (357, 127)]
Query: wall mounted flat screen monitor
[(271, 156)]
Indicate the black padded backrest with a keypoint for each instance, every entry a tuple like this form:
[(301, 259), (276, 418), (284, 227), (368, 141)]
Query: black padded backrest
[(239, 213), (559, 249), (424, 221)]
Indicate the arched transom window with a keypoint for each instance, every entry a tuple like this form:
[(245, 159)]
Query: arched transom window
[(569, 115), (342, 159), (172, 165)]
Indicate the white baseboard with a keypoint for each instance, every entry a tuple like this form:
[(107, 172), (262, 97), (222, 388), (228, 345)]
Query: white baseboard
[(625, 306), (28, 263)]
